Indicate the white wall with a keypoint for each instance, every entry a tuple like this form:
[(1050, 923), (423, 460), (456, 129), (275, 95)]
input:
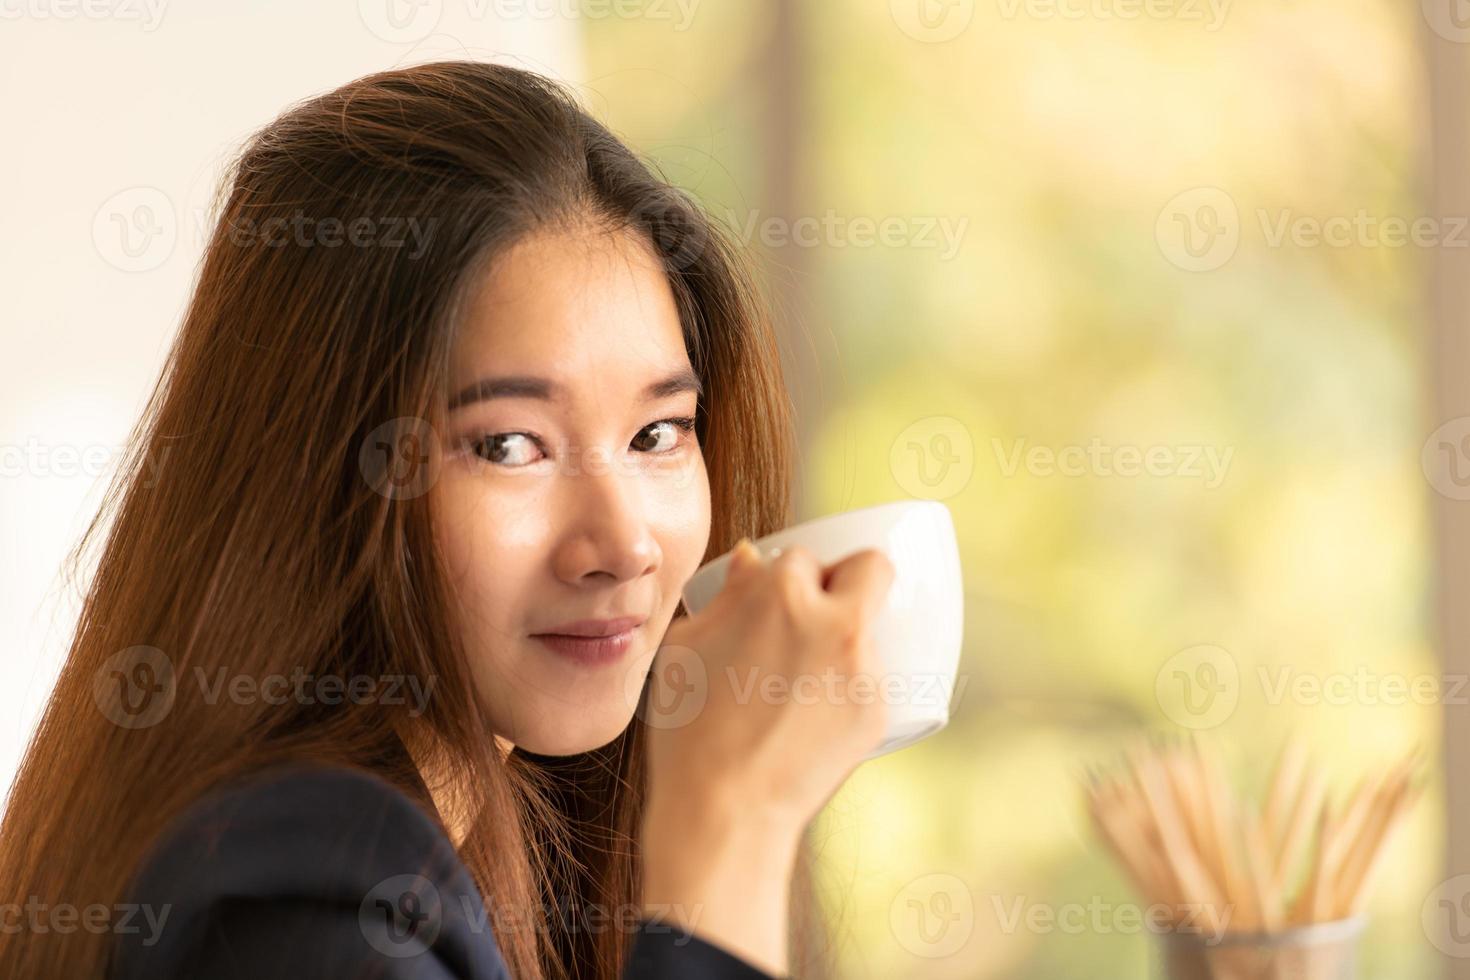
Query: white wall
[(119, 114)]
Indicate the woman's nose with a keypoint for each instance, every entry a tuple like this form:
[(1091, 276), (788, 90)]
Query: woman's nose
[(607, 535)]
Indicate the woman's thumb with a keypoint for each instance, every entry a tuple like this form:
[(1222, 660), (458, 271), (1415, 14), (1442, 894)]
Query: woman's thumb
[(745, 555)]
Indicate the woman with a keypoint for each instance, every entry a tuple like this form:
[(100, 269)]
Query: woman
[(365, 681)]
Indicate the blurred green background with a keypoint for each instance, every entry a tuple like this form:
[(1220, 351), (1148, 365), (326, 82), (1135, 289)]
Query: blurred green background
[(1115, 188)]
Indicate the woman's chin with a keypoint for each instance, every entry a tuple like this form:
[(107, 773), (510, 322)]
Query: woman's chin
[(575, 737)]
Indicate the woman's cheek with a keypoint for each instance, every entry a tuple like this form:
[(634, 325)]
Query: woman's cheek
[(685, 504), (470, 511), (489, 565), (489, 510)]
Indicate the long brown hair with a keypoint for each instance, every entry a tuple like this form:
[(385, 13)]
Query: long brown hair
[(249, 531)]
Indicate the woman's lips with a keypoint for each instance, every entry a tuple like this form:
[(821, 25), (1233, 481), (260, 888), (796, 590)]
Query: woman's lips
[(589, 651)]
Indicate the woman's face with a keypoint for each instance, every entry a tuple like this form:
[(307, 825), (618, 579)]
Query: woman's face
[(566, 494)]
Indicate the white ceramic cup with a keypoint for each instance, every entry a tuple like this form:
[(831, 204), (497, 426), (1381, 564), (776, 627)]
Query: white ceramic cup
[(920, 627)]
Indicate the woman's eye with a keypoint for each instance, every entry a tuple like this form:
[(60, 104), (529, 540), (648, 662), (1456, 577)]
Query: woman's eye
[(504, 449), (516, 449), (672, 430)]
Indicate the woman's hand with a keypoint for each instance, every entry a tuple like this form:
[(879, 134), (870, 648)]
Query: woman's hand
[(751, 706), (761, 705)]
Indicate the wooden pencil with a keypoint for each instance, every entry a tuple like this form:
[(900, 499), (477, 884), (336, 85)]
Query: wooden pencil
[(1284, 783), (1224, 836), (1195, 886), (1354, 898), (1298, 828), (1167, 813)]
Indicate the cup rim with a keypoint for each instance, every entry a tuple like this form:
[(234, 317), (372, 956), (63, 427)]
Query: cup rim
[(824, 519)]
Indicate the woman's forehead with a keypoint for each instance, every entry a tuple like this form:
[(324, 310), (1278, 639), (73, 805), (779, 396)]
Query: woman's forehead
[(572, 305)]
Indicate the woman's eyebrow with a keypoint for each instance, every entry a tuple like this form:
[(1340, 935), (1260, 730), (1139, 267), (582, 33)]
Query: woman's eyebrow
[(544, 389)]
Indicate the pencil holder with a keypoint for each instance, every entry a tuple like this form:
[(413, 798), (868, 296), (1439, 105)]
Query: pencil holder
[(1320, 951)]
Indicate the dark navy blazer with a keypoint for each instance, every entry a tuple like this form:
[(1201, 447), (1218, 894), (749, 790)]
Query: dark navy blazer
[(314, 872)]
